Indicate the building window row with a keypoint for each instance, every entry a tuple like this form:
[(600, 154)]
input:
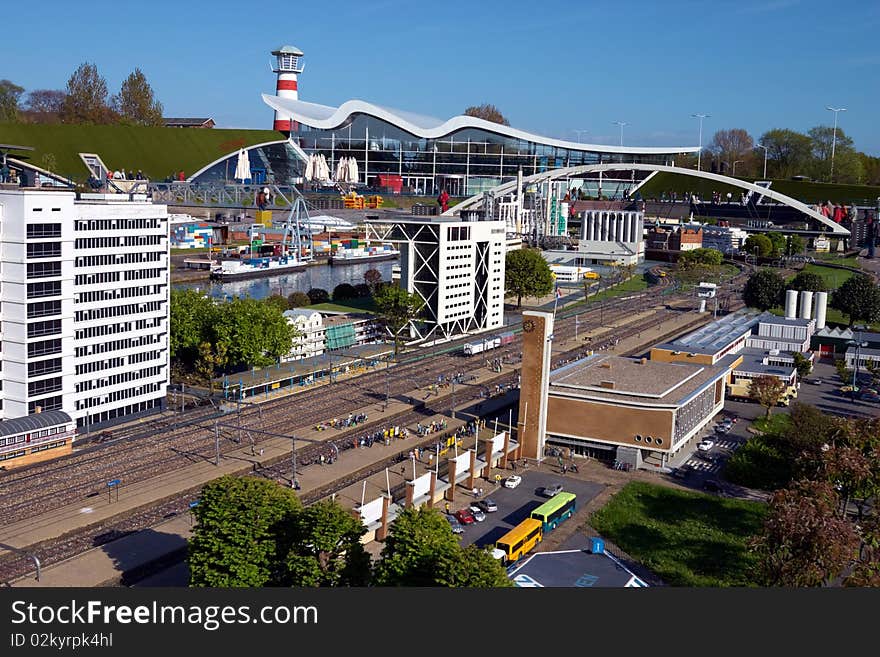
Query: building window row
[(144, 356), (98, 365), (119, 259), (31, 436), (116, 242), (99, 331), (458, 233), (43, 309), (43, 289), (47, 404), (39, 329), (44, 348), (118, 293), (93, 279), (36, 388), (116, 379), (117, 224), (44, 367), (43, 269), (119, 394), (115, 345), (114, 311), (44, 250), (139, 274), (38, 231)]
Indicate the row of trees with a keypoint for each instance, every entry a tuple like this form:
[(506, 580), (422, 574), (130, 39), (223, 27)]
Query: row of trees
[(207, 337), (252, 533), (858, 297), (821, 526), (790, 153), (773, 245), (85, 100)]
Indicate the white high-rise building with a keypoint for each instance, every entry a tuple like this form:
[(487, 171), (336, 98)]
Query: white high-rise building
[(456, 267), (85, 305)]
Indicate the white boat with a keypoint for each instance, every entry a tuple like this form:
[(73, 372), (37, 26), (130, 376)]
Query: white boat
[(371, 254), (238, 269)]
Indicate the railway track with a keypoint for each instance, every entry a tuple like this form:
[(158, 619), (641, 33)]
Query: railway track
[(56, 483)]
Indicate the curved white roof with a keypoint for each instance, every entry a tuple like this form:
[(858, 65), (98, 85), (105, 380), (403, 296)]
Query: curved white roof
[(325, 117)]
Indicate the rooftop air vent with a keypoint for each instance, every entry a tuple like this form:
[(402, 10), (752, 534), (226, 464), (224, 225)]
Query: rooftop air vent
[(607, 384)]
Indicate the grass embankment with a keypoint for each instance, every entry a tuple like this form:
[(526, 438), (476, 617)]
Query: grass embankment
[(157, 152), (351, 305), (808, 192), (634, 284), (687, 539), (764, 461)]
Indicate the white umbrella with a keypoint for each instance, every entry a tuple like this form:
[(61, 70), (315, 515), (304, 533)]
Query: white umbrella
[(243, 166), (325, 168), (353, 171), (340, 170), (310, 168)]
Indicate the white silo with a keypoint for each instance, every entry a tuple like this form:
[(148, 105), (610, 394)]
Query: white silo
[(821, 309), (806, 304), (791, 304)]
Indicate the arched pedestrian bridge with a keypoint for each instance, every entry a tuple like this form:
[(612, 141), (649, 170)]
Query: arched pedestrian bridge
[(571, 172)]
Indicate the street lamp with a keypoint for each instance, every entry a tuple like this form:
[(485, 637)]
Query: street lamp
[(734, 167), (765, 159), (621, 124), (858, 344), (836, 110), (579, 134), (700, 152)]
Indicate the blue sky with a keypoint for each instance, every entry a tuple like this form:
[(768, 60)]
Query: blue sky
[(552, 67)]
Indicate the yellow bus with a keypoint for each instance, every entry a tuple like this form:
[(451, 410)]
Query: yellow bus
[(518, 541)]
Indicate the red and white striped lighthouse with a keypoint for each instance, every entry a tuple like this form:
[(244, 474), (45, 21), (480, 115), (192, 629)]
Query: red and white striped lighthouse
[(288, 64)]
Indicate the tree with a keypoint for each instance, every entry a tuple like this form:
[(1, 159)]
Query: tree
[(135, 103), (858, 298), (527, 274), (209, 361), (372, 277), (789, 151), (488, 112), (764, 289), (44, 105), (298, 300), (317, 295), (809, 281), (732, 145), (278, 301), (326, 548), (843, 371), (847, 165), (344, 291), (256, 332), (802, 364), (803, 543), (242, 531), (191, 313), (362, 291), (421, 550), (779, 243), (86, 100), (758, 244), (10, 93), (701, 256), (397, 308), (796, 245), (767, 391)]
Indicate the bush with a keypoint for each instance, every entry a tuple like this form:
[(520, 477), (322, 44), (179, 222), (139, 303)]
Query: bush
[(318, 295), (298, 300), (344, 292), (362, 290), (279, 301), (761, 463)]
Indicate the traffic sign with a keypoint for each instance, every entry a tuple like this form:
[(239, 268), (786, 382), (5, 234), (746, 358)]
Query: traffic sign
[(193, 504), (115, 482)]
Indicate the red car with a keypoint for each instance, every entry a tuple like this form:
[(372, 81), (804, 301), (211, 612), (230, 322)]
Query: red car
[(465, 516)]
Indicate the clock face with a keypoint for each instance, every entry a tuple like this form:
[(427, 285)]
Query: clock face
[(528, 326)]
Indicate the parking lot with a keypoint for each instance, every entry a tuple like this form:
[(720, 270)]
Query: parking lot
[(515, 504)]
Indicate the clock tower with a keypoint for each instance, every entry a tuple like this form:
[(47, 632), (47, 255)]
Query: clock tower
[(534, 383)]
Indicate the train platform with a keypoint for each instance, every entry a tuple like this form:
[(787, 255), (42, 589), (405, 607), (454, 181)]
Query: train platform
[(108, 563)]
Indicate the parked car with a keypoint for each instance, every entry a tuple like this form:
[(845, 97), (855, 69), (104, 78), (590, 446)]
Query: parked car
[(487, 506), (550, 491), (465, 517), (479, 516), (455, 525), (813, 382), (512, 481), (705, 445)]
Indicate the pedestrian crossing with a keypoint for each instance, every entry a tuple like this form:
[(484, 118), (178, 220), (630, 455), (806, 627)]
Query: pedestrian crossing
[(699, 465)]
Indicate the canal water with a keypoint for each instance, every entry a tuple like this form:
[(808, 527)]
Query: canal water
[(321, 276)]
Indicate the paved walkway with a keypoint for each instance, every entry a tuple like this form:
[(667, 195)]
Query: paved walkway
[(105, 564)]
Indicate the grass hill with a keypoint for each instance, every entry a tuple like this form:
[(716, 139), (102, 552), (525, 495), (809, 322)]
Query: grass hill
[(156, 151)]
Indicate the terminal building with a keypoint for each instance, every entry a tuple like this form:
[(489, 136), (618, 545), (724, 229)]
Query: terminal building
[(85, 313)]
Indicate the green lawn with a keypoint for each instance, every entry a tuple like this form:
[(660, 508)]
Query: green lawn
[(634, 284), (352, 305), (775, 424), (850, 261), (158, 152), (687, 539), (834, 278)]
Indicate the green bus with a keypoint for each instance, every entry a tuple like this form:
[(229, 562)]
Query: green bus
[(554, 511)]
